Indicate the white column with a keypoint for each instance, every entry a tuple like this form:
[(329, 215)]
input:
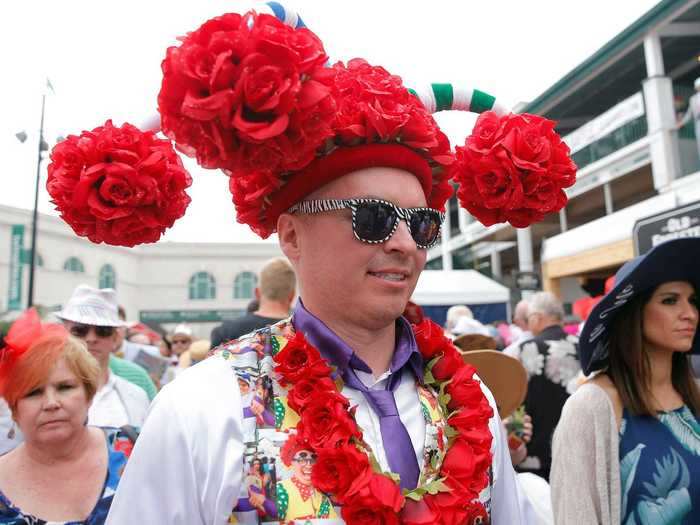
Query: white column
[(563, 222), (446, 255), (496, 269), (661, 116), (526, 261), (607, 193)]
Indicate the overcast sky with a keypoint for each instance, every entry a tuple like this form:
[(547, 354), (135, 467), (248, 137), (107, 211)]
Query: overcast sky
[(103, 59)]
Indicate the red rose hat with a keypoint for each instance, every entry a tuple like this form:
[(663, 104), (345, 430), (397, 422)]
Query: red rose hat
[(254, 96)]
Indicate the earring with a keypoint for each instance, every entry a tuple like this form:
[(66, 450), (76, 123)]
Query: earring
[(11, 433)]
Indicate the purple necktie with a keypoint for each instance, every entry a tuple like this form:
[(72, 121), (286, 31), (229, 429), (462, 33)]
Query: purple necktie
[(397, 442)]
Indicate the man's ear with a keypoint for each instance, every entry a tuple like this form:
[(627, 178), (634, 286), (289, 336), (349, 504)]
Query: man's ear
[(257, 293), (288, 233)]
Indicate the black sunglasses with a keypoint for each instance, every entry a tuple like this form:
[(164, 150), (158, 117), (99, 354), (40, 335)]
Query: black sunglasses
[(81, 330), (374, 220)]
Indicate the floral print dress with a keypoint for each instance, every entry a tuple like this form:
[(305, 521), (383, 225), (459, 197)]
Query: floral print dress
[(659, 466), (119, 446)]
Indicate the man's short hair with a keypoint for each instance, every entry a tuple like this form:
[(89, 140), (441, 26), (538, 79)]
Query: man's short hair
[(454, 313), (277, 280), (546, 303)]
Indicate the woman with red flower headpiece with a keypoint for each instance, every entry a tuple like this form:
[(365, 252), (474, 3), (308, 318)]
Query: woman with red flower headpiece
[(64, 472)]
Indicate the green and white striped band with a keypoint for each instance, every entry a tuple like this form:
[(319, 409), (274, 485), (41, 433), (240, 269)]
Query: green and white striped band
[(442, 97)]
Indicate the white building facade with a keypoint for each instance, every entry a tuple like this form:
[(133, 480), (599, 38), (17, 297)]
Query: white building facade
[(164, 283)]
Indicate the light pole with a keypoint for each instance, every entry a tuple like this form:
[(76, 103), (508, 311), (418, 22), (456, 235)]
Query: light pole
[(22, 136)]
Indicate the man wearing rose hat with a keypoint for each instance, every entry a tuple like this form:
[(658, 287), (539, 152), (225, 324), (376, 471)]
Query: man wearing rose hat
[(351, 171)]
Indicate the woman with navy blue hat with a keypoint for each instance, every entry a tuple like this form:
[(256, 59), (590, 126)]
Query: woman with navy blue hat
[(627, 448)]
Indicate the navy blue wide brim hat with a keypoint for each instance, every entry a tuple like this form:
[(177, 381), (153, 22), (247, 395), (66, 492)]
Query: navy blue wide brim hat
[(676, 260)]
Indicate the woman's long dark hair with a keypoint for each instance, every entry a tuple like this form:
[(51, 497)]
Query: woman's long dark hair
[(630, 369)]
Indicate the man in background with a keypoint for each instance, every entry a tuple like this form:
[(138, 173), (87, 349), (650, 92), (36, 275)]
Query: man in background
[(551, 361), (91, 315), (275, 293), (518, 329)]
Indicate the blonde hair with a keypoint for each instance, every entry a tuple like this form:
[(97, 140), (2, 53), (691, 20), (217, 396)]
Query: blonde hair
[(277, 280), (33, 368)]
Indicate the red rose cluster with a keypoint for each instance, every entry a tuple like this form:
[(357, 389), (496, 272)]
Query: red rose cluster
[(248, 94), (343, 470), (118, 185), (375, 107), (513, 168)]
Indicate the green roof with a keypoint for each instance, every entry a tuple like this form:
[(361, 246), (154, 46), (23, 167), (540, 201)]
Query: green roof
[(627, 39)]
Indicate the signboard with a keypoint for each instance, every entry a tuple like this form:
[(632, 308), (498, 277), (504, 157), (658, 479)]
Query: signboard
[(673, 224), (527, 281), (14, 287), (188, 316)]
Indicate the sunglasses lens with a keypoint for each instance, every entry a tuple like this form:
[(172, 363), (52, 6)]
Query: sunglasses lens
[(104, 331), (79, 330), (425, 227), (374, 221)]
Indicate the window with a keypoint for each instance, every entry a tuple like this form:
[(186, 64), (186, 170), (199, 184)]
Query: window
[(108, 277), (73, 264), (244, 285), (202, 286)]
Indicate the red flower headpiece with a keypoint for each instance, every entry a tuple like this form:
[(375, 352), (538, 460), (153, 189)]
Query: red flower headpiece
[(119, 186), (24, 333), (254, 97)]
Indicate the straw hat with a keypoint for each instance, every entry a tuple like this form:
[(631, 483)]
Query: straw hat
[(504, 375)]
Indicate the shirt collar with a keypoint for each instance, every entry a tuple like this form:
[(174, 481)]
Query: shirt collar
[(338, 353)]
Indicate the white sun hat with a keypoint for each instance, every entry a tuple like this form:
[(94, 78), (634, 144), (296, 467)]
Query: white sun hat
[(92, 306)]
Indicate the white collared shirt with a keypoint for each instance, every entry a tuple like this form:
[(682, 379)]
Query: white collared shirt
[(107, 409)]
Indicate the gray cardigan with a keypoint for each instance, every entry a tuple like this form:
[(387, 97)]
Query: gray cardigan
[(585, 476)]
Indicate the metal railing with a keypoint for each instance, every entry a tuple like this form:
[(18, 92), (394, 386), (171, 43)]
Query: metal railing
[(612, 142)]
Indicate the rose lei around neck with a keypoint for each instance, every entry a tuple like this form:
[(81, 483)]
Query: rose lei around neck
[(346, 468)]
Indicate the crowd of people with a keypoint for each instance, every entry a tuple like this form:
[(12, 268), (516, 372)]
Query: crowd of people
[(604, 427), (334, 399)]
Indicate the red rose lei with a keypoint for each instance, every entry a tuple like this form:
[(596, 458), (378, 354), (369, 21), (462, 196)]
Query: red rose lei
[(346, 469)]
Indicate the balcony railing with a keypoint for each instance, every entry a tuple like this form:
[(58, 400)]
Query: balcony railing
[(624, 135)]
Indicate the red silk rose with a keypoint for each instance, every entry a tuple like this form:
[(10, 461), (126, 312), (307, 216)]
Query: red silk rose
[(420, 512), (448, 364), (299, 360), (244, 82), (377, 502), (326, 422), (336, 469), (464, 463), (513, 169), (307, 389), (430, 338), (374, 106), (118, 185), (464, 390)]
